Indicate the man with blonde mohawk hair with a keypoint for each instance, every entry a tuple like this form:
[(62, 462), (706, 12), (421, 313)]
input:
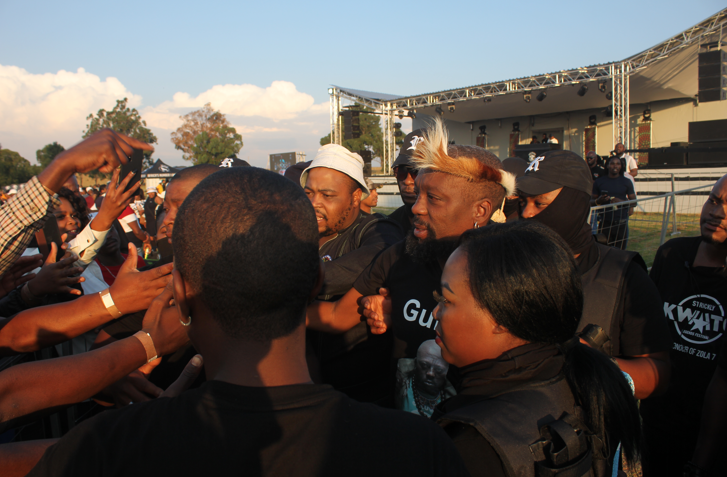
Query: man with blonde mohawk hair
[(458, 188)]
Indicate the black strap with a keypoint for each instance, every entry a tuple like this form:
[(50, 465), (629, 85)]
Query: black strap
[(563, 449)]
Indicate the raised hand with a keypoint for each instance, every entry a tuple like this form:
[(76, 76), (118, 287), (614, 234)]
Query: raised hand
[(115, 201), (105, 151), (377, 311), (57, 277), (134, 290), (185, 380), (16, 275)]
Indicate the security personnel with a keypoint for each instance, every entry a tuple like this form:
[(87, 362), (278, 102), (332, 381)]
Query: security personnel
[(620, 299)]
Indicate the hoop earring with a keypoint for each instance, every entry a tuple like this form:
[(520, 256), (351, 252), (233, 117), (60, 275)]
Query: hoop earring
[(477, 226), (186, 323)]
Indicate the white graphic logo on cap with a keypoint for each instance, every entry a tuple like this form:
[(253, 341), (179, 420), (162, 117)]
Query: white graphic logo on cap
[(533, 167), (164, 168), (226, 163), (414, 141)]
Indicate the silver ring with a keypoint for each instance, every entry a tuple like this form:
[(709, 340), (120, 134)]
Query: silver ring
[(130, 403)]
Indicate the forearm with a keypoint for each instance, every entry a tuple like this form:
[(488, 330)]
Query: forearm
[(334, 317), (43, 326), (713, 425), (650, 374), (31, 387), (88, 242), (17, 458)]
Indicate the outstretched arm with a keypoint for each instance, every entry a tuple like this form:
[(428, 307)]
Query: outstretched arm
[(335, 317), (31, 387)]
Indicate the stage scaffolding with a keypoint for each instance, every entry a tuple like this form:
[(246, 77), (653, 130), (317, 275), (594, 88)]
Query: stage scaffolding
[(616, 73)]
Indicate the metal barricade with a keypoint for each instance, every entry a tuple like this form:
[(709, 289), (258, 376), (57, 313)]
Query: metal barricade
[(653, 220)]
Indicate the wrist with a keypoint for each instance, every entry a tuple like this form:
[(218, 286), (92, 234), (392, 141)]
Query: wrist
[(109, 304), (55, 175), (28, 296), (147, 342)]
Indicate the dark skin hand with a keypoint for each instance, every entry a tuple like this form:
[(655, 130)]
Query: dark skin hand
[(23, 388), (18, 458), (57, 277), (18, 273), (115, 201), (106, 150), (43, 326)]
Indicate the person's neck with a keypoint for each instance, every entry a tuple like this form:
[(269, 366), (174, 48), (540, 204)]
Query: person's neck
[(249, 363), (365, 208), (710, 255), (613, 176), (111, 260)]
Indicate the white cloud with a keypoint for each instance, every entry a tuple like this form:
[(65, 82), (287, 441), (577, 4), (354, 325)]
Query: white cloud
[(38, 109), (54, 105)]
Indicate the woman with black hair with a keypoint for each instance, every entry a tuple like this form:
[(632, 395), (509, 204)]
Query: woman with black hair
[(533, 400)]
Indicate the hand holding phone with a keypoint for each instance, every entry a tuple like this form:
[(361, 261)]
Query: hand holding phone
[(134, 165)]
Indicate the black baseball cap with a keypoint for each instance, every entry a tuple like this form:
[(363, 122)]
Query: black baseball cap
[(553, 170), (233, 161), (410, 144)]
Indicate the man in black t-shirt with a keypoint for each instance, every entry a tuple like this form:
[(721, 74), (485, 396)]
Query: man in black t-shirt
[(690, 275), (597, 170), (334, 182), (258, 413), (405, 174), (618, 295), (614, 188), (457, 190)]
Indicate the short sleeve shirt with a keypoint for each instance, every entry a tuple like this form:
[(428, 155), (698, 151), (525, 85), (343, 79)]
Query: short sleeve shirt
[(127, 216)]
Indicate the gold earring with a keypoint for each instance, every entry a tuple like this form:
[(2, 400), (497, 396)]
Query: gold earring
[(187, 323)]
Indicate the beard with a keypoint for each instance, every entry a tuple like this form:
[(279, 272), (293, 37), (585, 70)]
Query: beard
[(430, 249)]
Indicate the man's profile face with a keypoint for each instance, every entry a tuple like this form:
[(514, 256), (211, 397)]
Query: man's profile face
[(443, 209), (177, 191), (713, 220), (614, 167), (330, 193), (591, 158), (372, 200), (431, 371), (530, 206), (620, 149)]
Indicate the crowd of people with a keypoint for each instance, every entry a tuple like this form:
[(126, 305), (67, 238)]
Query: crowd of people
[(242, 321)]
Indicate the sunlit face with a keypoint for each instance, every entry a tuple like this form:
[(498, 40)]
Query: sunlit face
[(177, 191), (591, 158), (464, 330), (372, 200), (713, 220), (620, 149), (67, 217), (442, 209), (335, 204), (533, 205), (431, 369)]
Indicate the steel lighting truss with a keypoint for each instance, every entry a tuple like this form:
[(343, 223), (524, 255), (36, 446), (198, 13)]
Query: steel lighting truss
[(617, 72)]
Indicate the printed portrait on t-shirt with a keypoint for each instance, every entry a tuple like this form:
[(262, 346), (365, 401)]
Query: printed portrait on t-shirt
[(421, 383)]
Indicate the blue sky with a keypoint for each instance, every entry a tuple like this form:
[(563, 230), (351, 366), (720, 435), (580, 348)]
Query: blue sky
[(268, 65)]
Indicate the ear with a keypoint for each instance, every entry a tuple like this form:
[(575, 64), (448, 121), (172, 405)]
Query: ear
[(357, 194), (181, 294), (482, 212), (319, 282)]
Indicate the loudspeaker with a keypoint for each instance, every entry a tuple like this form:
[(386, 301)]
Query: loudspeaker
[(709, 157), (712, 80), (667, 157), (708, 131)]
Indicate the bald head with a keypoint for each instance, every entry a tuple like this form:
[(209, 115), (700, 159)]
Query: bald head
[(178, 189)]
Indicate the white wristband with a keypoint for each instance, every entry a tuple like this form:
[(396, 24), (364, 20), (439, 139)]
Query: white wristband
[(109, 303)]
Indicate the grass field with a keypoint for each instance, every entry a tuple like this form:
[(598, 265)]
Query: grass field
[(645, 232)]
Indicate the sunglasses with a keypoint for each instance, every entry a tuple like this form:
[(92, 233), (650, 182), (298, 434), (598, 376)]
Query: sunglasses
[(402, 171)]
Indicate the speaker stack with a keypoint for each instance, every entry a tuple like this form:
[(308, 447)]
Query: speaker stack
[(712, 76), (708, 135)]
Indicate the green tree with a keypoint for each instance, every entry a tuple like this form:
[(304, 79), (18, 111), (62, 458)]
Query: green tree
[(14, 168), (123, 120), (211, 122), (213, 147), (372, 136), (48, 153)]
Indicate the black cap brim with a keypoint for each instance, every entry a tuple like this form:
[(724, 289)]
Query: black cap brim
[(534, 186), (402, 160)]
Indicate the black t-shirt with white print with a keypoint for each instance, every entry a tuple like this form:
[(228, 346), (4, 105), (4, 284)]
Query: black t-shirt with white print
[(410, 287), (694, 300)]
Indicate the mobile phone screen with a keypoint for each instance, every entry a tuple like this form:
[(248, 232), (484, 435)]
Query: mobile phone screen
[(134, 165), (47, 235)]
